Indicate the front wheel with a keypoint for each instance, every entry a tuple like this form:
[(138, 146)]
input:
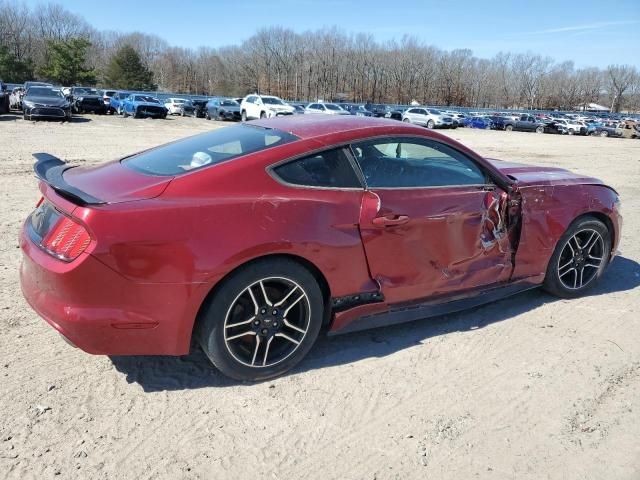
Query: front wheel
[(243, 116), (579, 259), (263, 115), (539, 129), (508, 128), (604, 133), (406, 120), (431, 124), (262, 320)]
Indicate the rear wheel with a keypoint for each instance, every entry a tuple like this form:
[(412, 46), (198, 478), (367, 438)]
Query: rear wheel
[(508, 128), (263, 320), (539, 129), (263, 115), (579, 259), (604, 133)]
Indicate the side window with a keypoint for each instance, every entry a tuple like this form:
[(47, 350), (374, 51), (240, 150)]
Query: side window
[(411, 163), (327, 169)]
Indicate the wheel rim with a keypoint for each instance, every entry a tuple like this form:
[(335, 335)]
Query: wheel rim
[(267, 322), (580, 259)]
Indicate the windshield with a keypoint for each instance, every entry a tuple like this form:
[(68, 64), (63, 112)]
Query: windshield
[(331, 106), (44, 92), (434, 111), (206, 149), (178, 100), (229, 103), (145, 98), (272, 101)]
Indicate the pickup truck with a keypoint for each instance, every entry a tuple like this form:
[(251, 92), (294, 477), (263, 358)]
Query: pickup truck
[(526, 123)]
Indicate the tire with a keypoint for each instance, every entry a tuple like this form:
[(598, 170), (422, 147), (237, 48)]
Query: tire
[(539, 129), (571, 132), (206, 115), (571, 270), (406, 120), (234, 301), (604, 133), (124, 113), (218, 118), (263, 115), (25, 117), (508, 128), (431, 124), (243, 116)]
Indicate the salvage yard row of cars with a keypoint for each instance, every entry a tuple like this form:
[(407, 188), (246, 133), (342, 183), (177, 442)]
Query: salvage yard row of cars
[(41, 100)]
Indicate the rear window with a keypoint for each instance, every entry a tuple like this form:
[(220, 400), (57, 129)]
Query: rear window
[(207, 149), (330, 169)]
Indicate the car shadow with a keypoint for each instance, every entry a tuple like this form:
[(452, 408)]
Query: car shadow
[(8, 117), (160, 373)]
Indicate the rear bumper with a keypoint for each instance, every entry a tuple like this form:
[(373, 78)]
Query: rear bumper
[(101, 312)]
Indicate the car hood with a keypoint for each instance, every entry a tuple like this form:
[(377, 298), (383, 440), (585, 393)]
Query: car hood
[(115, 183), (48, 101), (532, 175)]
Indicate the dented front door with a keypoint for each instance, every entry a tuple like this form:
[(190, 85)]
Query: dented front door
[(422, 242)]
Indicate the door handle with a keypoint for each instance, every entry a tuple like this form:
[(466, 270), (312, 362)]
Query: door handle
[(390, 220)]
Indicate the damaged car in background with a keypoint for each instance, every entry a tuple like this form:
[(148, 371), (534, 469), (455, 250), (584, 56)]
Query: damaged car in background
[(87, 99), (342, 223), (143, 106)]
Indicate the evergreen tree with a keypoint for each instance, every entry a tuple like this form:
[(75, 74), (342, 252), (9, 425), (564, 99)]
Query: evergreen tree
[(127, 72), (66, 63), (13, 70)]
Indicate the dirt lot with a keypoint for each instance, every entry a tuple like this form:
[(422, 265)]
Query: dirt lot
[(531, 387)]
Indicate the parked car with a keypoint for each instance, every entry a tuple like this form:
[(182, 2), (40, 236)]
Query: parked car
[(396, 113), (45, 102), (478, 122), (220, 108), (337, 223), (15, 98), (378, 110), (107, 95), (607, 131), (117, 100), (263, 106), (4, 98), (199, 108), (524, 123), (179, 106), (298, 108), (86, 99), (356, 109), (325, 108), (141, 106), (427, 117)]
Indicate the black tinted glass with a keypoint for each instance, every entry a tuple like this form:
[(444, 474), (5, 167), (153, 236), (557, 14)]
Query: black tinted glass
[(326, 169)]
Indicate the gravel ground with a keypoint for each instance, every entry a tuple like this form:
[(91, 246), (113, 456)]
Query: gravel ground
[(530, 387)]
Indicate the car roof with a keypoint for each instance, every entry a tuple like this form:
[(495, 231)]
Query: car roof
[(310, 126)]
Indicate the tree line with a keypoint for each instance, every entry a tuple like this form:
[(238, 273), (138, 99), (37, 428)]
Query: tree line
[(51, 43)]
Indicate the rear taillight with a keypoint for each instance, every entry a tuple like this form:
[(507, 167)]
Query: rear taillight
[(66, 240)]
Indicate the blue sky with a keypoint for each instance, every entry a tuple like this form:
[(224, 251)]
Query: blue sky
[(591, 33)]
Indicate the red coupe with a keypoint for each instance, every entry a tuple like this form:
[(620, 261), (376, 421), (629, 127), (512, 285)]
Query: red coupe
[(251, 238)]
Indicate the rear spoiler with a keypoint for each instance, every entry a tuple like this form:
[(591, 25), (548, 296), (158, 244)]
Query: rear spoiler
[(50, 170)]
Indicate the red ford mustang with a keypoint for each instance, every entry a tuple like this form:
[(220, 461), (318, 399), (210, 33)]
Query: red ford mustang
[(251, 238)]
